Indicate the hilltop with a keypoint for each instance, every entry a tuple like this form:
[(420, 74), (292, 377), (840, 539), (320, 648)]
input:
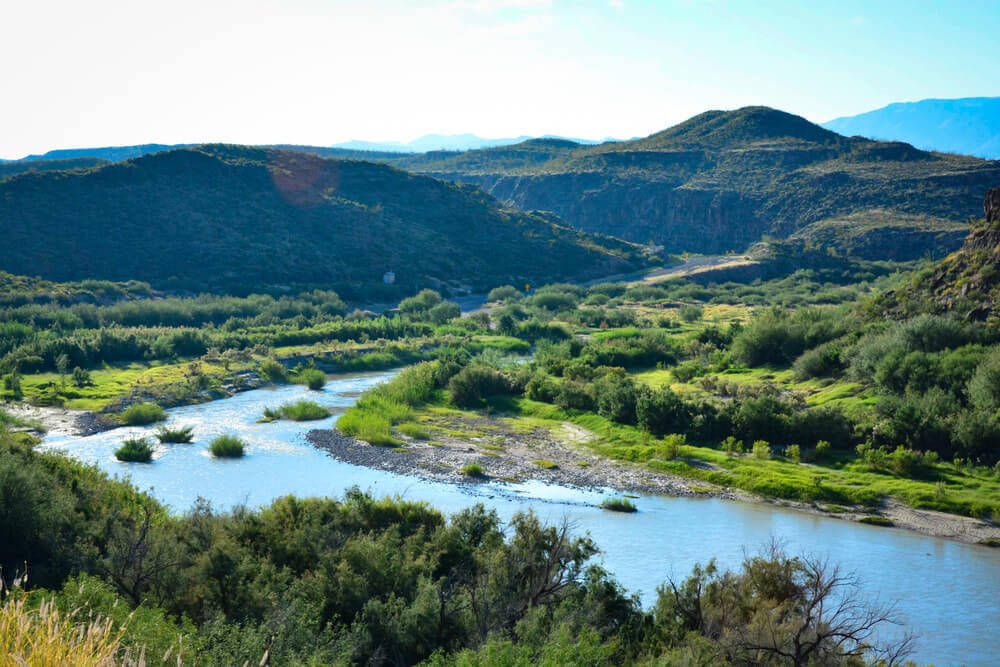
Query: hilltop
[(724, 179), (968, 125), (239, 219)]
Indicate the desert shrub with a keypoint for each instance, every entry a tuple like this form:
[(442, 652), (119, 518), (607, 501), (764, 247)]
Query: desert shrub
[(227, 446), (822, 450), (662, 411), (444, 312), (135, 450), (616, 398), (553, 301), (610, 290), (175, 435), (140, 414), (507, 293), (421, 303), (691, 313), (273, 370), (473, 383), (761, 450), (541, 388), (572, 395), (821, 361)]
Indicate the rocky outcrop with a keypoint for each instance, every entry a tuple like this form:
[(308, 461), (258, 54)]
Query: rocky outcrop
[(967, 281), (992, 206)]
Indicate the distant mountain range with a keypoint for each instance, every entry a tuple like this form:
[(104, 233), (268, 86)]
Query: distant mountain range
[(970, 125), (240, 219), (442, 142), (717, 182)]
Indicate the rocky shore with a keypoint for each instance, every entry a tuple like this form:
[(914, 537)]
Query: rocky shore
[(538, 455)]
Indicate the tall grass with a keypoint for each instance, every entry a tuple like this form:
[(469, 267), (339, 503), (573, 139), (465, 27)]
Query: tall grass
[(619, 505), (375, 414), (227, 446), (44, 636), (140, 414), (300, 411), (175, 435)]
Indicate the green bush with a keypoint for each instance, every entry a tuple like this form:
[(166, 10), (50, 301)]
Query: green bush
[(227, 446), (619, 505), (822, 450), (140, 414), (476, 382), (793, 452), (473, 470), (273, 370), (507, 293), (135, 450), (303, 410), (313, 378), (175, 435), (761, 450)]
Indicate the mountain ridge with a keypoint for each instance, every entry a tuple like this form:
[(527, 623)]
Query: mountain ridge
[(237, 219), (725, 179), (967, 125)]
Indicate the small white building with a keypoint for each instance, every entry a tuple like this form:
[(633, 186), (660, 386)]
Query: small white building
[(389, 277)]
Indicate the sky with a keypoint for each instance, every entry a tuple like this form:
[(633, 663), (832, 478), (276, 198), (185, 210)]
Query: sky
[(120, 72)]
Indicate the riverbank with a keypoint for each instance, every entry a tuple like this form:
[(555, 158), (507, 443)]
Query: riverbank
[(558, 458), (59, 421)]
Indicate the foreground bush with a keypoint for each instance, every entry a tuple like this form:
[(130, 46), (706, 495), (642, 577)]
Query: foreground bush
[(140, 414), (227, 446)]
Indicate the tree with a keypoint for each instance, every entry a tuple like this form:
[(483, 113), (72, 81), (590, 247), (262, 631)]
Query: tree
[(781, 610)]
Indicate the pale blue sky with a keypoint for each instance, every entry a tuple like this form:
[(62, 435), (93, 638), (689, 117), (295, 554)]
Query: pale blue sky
[(117, 72)]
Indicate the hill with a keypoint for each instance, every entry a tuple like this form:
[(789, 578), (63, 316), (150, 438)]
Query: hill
[(106, 153), (966, 282), (15, 167), (239, 219), (725, 179), (969, 125)]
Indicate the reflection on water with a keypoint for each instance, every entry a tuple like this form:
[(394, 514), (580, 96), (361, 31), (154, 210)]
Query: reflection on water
[(948, 592)]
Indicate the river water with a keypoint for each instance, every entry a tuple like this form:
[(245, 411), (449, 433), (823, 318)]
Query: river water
[(947, 592)]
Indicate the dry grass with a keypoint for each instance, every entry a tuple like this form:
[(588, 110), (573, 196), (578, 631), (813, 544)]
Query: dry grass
[(43, 636)]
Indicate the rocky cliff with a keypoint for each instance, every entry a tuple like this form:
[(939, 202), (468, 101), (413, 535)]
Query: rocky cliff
[(965, 282)]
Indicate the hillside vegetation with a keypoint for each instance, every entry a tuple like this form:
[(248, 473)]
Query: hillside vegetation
[(725, 179), (241, 219)]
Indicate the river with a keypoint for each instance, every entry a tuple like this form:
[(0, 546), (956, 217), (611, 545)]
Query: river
[(947, 592)]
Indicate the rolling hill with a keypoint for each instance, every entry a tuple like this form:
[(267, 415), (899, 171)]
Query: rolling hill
[(969, 125), (239, 219), (725, 179)]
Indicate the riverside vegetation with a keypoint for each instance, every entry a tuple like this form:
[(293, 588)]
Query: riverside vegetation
[(792, 387), (113, 576)]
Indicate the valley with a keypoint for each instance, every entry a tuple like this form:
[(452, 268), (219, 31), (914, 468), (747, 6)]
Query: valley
[(548, 334)]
